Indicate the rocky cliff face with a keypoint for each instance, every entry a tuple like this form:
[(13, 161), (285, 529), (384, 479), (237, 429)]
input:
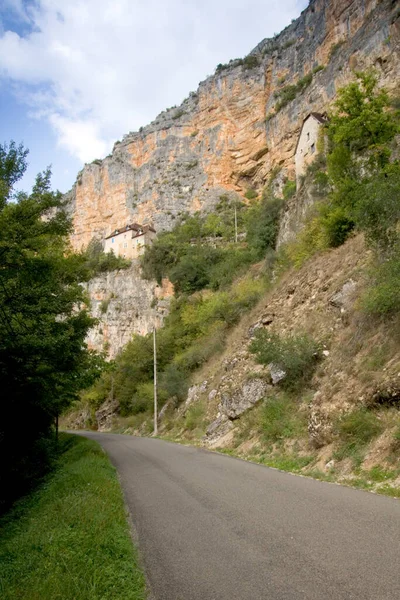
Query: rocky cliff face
[(125, 304), (218, 141), (225, 138)]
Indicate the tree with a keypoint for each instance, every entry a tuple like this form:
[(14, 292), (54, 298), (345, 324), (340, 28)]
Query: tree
[(360, 130), (44, 360)]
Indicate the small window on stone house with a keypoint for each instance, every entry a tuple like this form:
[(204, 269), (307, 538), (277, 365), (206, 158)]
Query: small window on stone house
[(112, 241), (308, 135), (312, 148)]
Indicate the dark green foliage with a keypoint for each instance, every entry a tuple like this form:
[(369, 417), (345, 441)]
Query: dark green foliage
[(193, 270), (336, 224), (236, 260), (360, 123), (174, 382), (377, 207), (289, 189), (188, 257), (317, 69), (251, 194), (250, 62), (361, 184), (263, 224), (289, 92), (297, 355), (12, 167), (44, 360), (366, 184), (97, 261), (382, 296)]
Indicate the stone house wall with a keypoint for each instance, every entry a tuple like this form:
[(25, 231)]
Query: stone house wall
[(307, 146)]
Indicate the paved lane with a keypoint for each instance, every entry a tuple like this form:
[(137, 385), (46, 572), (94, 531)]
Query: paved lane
[(212, 527)]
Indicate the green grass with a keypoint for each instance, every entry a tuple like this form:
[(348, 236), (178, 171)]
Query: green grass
[(70, 539), (356, 429), (282, 419)]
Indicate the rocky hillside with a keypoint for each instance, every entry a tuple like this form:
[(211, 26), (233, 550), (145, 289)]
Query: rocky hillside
[(241, 122), (344, 425)]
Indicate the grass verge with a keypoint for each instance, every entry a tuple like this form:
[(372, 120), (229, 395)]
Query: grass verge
[(70, 540)]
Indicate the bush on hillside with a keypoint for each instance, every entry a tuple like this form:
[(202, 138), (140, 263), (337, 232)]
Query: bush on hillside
[(262, 224), (289, 189), (382, 296), (295, 354), (281, 419)]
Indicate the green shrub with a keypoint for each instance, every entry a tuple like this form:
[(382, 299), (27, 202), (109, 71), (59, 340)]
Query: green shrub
[(98, 261), (282, 419), (317, 69), (192, 272), (104, 304), (289, 92), (194, 418), (251, 194), (174, 382), (236, 261), (296, 354), (311, 239), (377, 207), (289, 189), (359, 426), (262, 224), (382, 296), (355, 431), (336, 225), (250, 62)]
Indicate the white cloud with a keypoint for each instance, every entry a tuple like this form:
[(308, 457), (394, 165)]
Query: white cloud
[(96, 69)]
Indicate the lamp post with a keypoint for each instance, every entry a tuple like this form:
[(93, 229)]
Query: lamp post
[(236, 232), (155, 381)]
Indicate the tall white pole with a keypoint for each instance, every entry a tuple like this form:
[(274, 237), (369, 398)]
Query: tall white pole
[(155, 382), (236, 234)]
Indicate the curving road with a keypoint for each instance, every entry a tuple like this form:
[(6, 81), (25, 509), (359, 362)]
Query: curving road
[(211, 527)]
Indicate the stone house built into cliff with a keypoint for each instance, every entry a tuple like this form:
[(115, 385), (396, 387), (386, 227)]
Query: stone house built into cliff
[(306, 149), (130, 241)]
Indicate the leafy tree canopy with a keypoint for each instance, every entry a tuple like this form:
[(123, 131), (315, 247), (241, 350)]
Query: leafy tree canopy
[(44, 360)]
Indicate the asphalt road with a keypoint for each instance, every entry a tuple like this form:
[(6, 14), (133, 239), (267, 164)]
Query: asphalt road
[(211, 527)]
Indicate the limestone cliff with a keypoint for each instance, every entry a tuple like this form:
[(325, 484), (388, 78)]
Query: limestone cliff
[(225, 138), (124, 303), (219, 141)]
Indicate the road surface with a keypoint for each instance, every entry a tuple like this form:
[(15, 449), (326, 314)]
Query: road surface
[(211, 527)]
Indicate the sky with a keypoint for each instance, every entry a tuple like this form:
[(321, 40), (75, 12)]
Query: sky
[(76, 75)]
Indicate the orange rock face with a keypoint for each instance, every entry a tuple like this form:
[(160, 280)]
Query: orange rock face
[(218, 141)]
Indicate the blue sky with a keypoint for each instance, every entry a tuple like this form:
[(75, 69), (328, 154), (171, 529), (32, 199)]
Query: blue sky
[(75, 75)]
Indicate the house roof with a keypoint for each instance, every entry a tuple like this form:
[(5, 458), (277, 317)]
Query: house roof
[(135, 227), (322, 118)]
